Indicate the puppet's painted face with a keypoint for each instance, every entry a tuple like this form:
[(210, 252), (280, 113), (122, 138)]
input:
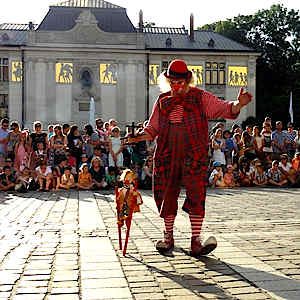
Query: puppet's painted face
[(129, 178)]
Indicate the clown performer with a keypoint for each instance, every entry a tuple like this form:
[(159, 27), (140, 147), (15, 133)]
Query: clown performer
[(179, 122)]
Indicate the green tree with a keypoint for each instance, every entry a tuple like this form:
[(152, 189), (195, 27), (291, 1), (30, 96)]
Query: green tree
[(275, 33)]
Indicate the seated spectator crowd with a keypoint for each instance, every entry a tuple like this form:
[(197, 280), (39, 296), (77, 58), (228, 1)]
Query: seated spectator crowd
[(254, 156), (64, 157)]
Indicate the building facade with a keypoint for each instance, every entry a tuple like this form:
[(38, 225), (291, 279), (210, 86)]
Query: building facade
[(85, 49)]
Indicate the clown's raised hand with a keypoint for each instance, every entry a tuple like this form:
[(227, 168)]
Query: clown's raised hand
[(244, 97)]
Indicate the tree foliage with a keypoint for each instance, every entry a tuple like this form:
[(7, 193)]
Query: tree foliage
[(275, 33)]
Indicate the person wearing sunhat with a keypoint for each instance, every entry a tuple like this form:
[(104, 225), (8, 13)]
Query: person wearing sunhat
[(179, 122)]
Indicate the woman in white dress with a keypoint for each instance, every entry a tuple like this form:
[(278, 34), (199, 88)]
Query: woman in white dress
[(218, 146), (115, 158)]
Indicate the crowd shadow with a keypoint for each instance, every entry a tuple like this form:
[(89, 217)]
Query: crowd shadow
[(278, 285)]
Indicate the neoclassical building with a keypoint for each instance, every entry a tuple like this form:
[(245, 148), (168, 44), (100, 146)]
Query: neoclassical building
[(90, 48)]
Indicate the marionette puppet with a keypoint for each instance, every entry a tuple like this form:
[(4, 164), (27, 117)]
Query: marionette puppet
[(128, 201)]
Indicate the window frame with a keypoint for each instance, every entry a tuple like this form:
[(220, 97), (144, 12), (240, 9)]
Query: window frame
[(4, 69), (213, 71), (4, 105)]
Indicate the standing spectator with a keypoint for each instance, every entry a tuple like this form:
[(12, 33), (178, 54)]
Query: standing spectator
[(229, 146), (297, 141), (248, 145), (38, 156), (3, 140), (279, 141), (21, 154), (267, 140), (103, 141), (268, 120), (274, 175), (65, 129), (218, 147), (291, 135), (249, 129), (38, 136), (50, 131), (91, 139), (13, 138), (238, 148), (7, 179), (58, 144), (74, 142), (112, 123), (106, 128), (115, 158), (258, 142)]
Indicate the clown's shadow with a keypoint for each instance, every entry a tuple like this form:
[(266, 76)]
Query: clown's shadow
[(192, 283), (280, 286)]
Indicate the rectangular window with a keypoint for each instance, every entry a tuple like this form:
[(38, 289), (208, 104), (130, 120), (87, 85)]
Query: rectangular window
[(164, 65), (215, 73), (3, 106), (4, 69)]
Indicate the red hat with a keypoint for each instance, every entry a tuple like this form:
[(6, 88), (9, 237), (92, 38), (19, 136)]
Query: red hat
[(178, 69)]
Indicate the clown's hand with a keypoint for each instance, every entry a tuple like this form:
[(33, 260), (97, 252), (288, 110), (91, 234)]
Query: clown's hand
[(244, 97)]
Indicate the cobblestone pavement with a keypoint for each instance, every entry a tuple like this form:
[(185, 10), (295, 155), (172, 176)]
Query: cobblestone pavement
[(64, 246)]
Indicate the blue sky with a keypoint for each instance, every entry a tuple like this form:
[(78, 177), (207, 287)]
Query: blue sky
[(161, 12)]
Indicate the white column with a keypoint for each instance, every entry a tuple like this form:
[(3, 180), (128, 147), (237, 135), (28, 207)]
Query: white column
[(131, 73), (40, 91)]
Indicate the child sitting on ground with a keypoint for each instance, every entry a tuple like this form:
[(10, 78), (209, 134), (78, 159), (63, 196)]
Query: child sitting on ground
[(275, 176), (259, 177), (98, 173), (7, 180), (44, 176), (286, 169), (66, 181), (229, 177), (25, 182), (85, 181), (216, 178)]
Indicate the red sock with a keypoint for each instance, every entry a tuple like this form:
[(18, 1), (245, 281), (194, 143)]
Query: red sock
[(196, 224), (169, 223)]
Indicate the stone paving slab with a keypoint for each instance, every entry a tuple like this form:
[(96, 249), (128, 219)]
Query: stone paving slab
[(64, 246)]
